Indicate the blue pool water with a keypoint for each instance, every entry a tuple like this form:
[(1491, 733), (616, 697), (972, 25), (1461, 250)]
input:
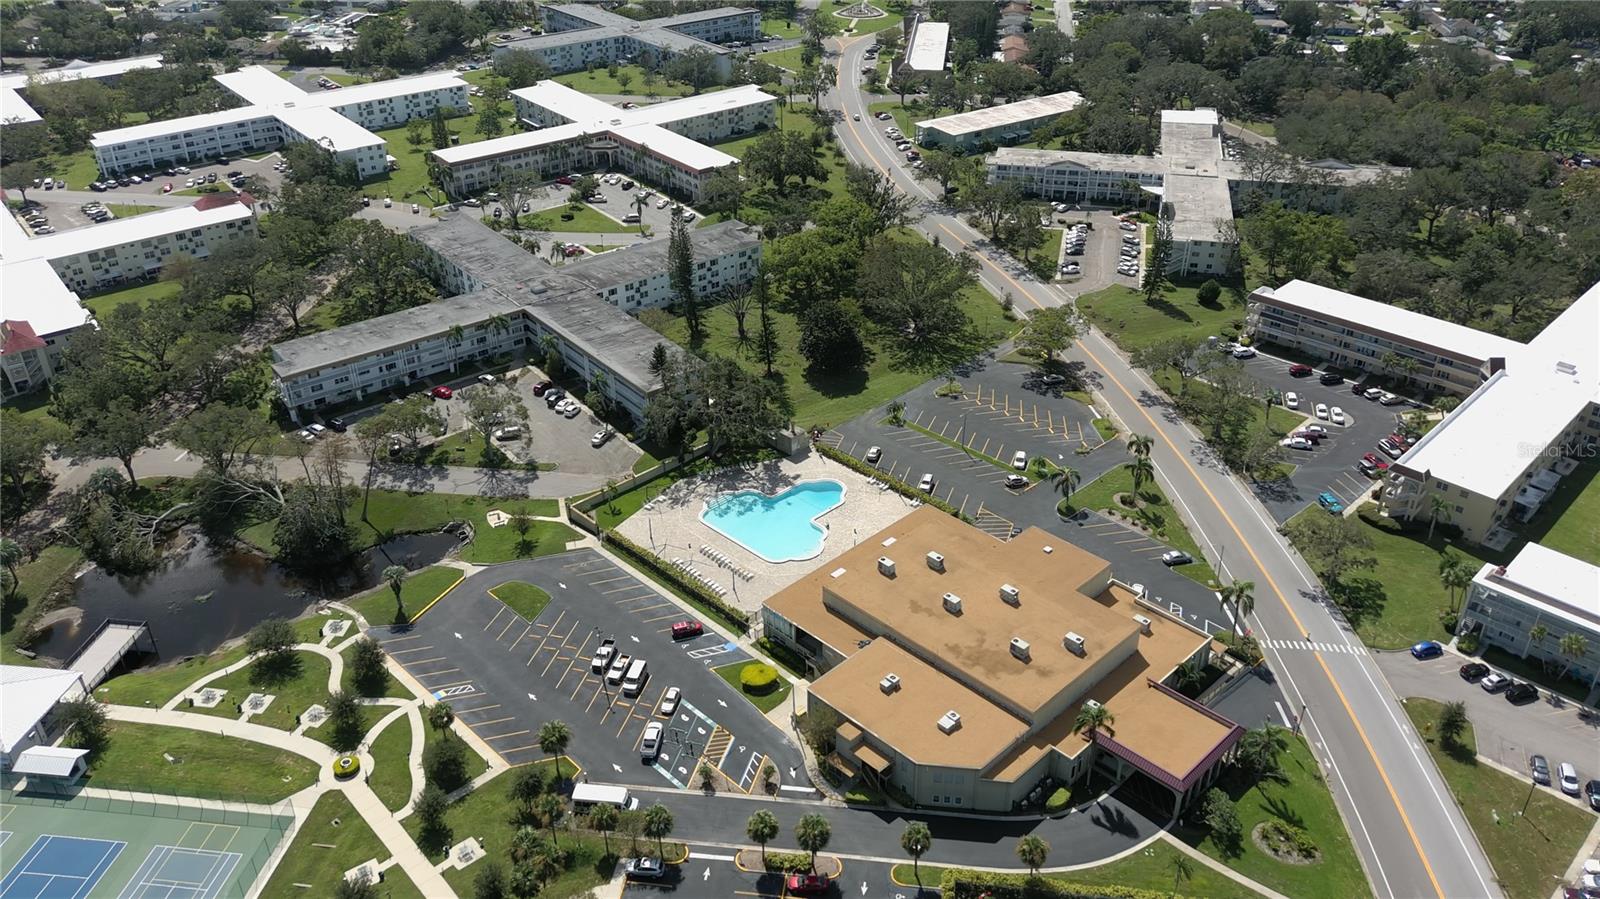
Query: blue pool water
[(778, 528)]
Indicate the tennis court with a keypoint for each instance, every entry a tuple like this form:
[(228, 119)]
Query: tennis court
[(78, 846)]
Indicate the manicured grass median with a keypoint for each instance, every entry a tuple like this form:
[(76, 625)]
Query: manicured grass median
[(1122, 313), (153, 687), (205, 764), (1300, 799), (322, 851), (585, 218), (523, 598), (766, 702), (1530, 838), (1148, 869), (390, 776), (601, 81), (420, 588), (306, 685), (393, 512), (1157, 514)]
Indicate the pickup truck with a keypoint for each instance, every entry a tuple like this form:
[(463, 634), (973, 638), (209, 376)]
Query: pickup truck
[(602, 656)]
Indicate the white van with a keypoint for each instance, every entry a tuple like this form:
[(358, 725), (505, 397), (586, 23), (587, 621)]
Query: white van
[(585, 795), (634, 682), (631, 218)]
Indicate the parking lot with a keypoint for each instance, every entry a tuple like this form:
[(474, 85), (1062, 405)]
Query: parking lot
[(1330, 466), (548, 436), (505, 676), (261, 166), (1100, 254), (1550, 726), (711, 871)]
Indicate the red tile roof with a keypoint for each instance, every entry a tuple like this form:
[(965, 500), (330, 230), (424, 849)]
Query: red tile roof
[(18, 336)]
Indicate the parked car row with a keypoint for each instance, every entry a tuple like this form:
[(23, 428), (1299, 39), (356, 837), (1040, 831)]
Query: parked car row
[(1131, 251), (35, 219), (1073, 242)]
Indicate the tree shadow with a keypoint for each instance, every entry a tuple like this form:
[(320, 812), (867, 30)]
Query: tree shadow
[(275, 669), (1359, 599), (836, 382), (1279, 808)]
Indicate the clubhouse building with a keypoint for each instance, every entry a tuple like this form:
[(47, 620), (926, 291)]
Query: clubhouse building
[(958, 666)]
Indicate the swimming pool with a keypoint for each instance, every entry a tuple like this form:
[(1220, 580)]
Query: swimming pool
[(779, 528)]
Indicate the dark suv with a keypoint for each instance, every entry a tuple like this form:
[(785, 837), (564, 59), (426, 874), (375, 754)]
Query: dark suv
[(1331, 377), (1519, 694), (1474, 671)]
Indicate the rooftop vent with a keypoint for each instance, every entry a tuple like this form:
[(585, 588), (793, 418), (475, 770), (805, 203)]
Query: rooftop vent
[(1010, 594), (837, 572), (1019, 648), (952, 603), (1091, 704), (1049, 549), (950, 721), (889, 542), (1567, 368), (936, 561), (886, 566), (890, 683), (1073, 643), (1144, 624)]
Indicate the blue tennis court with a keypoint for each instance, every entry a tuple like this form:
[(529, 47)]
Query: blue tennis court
[(173, 872), (58, 867)]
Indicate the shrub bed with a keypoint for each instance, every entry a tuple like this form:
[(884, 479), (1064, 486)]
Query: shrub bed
[(958, 883), (895, 484), (700, 596), (1058, 800), (758, 679), (788, 862)]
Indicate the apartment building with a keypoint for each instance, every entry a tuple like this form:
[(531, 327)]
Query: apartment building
[(958, 665), (42, 277), (1190, 181), (578, 35), (930, 42), (278, 113), (662, 144), (506, 301), (994, 125), (1542, 589), (15, 110)]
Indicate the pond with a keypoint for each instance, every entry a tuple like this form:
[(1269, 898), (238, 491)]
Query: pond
[(203, 597)]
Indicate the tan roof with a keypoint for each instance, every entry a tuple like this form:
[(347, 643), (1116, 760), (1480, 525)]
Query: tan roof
[(975, 645), (799, 603), (907, 720), (873, 759)]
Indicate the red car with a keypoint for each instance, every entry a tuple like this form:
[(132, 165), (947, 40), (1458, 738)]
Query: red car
[(441, 392), (1299, 371), (683, 630), (1374, 461), (540, 388), (565, 181), (807, 884)]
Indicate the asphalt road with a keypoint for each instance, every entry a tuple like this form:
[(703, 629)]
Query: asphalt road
[(1408, 831)]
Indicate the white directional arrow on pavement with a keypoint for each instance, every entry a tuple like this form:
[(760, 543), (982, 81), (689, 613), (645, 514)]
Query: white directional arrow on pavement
[(863, 887), (617, 766), (707, 874), (791, 770), (458, 635), (561, 585), (721, 703), (633, 638), (533, 697)]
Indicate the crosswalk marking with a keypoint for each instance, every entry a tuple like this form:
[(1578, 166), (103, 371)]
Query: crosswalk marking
[(1319, 647)]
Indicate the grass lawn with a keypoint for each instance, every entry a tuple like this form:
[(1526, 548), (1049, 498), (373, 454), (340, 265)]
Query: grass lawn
[(1301, 799), (1279, 420), (35, 580), (211, 765), (610, 514), (779, 28), (863, 26), (1044, 259), (825, 398), (153, 687), (759, 204), (419, 589), (765, 702), (1149, 869), (322, 851), (1569, 521), (1123, 314), (370, 716), (600, 81), (390, 776), (102, 304), (394, 512), (409, 181), (475, 763), (523, 598), (1157, 514), (788, 58), (1528, 849), (1266, 129), (77, 169), (906, 117), (305, 687), (391, 686), (585, 218)]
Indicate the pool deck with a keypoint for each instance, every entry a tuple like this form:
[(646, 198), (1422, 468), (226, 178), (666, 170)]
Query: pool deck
[(672, 524)]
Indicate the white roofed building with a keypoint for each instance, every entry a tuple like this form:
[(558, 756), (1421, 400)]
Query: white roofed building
[(1003, 124), (1540, 587), (930, 41), (579, 34), (28, 698), (14, 106)]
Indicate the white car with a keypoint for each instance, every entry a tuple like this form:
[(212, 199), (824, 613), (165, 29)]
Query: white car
[(486, 379), (650, 745), (1291, 400), (669, 701), (1388, 399), (1494, 683), (662, 203), (1244, 352), (926, 483), (388, 202), (1299, 443), (1128, 226), (1336, 415), (1019, 460), (601, 436), (573, 411), (1567, 778), (415, 209), (1322, 411), (874, 453), (305, 436), (317, 429)]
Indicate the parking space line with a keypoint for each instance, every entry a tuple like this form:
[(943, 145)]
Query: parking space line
[(420, 675), (649, 594), (661, 617), (477, 724), (395, 652), (505, 752), (509, 625), (624, 726), (515, 733), (481, 708), (503, 608), (400, 640), (571, 565), (623, 589), (576, 656), (577, 688), (519, 638), (1134, 540), (407, 665), (437, 687), (623, 577)]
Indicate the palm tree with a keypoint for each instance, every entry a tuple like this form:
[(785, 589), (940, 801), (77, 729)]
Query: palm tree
[(1065, 480), (10, 557), (395, 577), (524, 843), (1454, 576), (550, 810), (1139, 445), (916, 841), (603, 818), (1437, 505), (640, 204), (1191, 672), (813, 833), (1536, 635), (1572, 646), (1094, 717), (1259, 748), (499, 324), (658, 825), (762, 828), (1240, 597), (1182, 870), (1032, 851), (553, 739), (1142, 473), (455, 336)]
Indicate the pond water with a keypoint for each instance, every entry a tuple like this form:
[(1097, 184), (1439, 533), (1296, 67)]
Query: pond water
[(203, 596)]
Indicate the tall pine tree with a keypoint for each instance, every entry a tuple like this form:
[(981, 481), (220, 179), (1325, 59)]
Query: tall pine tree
[(680, 268), (767, 329)]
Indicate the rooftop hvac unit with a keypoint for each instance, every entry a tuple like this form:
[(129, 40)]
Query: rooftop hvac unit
[(1010, 594), (952, 603), (886, 566), (1019, 648), (935, 561), (1091, 703), (1073, 643), (950, 721), (1144, 624), (890, 683)]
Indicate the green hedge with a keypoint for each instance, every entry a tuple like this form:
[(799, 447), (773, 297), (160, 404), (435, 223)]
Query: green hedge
[(702, 598), (959, 883), (1058, 800), (895, 484), (788, 862), (759, 679)]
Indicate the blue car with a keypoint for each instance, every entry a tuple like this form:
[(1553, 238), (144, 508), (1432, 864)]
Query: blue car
[(1427, 649), (1330, 502)]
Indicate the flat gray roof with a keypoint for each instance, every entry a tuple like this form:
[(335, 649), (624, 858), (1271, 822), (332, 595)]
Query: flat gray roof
[(620, 266), (344, 344)]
